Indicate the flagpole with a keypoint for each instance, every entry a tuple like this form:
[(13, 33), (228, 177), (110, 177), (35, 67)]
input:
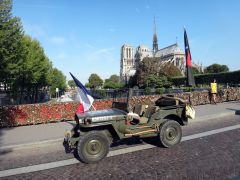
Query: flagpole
[(93, 108)]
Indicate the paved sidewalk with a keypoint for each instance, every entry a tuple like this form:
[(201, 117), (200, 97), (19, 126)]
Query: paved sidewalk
[(23, 136)]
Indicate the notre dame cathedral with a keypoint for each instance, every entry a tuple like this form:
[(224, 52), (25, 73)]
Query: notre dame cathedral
[(131, 57)]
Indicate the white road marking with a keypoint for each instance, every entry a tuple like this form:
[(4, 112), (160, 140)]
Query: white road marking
[(56, 164)]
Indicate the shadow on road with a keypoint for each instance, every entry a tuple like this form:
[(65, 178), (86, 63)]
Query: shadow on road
[(72, 123), (234, 102), (125, 143), (130, 141), (136, 141), (8, 122), (237, 112), (3, 151)]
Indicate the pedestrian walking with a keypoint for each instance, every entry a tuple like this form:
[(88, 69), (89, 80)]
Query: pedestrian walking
[(213, 91)]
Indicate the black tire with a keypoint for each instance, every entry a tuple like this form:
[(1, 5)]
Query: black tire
[(93, 147), (170, 133)]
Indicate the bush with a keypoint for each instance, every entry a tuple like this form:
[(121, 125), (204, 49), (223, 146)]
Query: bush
[(135, 87), (160, 90), (224, 78), (147, 91)]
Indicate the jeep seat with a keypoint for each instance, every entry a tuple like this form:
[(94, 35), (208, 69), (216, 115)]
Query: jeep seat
[(139, 109), (149, 112)]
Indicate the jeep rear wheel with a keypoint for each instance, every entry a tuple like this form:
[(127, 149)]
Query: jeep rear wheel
[(93, 147), (170, 133)]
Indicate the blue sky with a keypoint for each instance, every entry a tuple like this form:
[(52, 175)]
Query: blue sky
[(85, 37)]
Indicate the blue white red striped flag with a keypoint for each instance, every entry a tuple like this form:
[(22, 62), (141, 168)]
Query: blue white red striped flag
[(86, 100)]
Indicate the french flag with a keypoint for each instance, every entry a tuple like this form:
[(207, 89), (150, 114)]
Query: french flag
[(86, 100)]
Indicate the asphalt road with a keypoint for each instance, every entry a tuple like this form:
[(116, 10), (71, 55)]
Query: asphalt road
[(215, 156)]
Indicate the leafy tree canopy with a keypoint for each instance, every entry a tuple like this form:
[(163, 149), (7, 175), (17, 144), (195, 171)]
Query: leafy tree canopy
[(11, 49), (57, 80), (170, 70), (113, 82), (114, 78), (95, 81), (195, 70), (157, 81), (72, 83), (216, 68), (152, 72), (23, 63)]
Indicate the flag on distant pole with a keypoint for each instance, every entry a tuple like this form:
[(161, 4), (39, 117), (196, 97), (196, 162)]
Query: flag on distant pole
[(86, 100), (190, 77)]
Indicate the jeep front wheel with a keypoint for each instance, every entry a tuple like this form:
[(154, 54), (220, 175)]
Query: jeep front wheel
[(170, 133), (93, 147)]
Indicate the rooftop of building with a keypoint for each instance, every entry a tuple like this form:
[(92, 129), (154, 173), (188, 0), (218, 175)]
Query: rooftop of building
[(172, 49)]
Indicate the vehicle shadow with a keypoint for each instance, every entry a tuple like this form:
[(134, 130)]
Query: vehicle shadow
[(237, 112), (70, 150), (129, 141), (136, 141), (70, 122), (155, 141), (121, 144)]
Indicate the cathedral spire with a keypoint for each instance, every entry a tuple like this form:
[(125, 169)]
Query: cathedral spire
[(155, 41)]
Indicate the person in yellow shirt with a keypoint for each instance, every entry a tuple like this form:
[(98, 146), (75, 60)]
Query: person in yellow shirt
[(214, 91)]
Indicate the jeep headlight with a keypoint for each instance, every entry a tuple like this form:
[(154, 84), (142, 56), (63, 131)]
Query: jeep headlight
[(87, 121), (80, 121)]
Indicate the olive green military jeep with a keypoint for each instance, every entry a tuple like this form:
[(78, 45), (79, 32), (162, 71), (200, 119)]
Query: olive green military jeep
[(96, 130)]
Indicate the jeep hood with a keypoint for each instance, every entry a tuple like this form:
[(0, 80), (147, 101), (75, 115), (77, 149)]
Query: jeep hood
[(106, 114)]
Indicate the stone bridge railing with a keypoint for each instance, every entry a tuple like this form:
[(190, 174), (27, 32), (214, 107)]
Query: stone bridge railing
[(54, 112)]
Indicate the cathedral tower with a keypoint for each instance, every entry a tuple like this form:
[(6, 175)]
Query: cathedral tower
[(127, 62)]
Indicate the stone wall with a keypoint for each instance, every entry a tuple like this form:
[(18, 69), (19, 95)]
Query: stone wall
[(53, 112)]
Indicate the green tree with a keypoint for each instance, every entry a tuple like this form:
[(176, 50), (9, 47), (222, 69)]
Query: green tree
[(152, 72), (23, 63), (170, 70), (71, 83), (160, 90), (149, 66), (95, 81), (114, 78), (11, 49), (57, 80), (87, 85), (195, 70), (110, 85), (153, 81), (157, 81), (216, 68), (35, 68), (113, 82), (147, 91)]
